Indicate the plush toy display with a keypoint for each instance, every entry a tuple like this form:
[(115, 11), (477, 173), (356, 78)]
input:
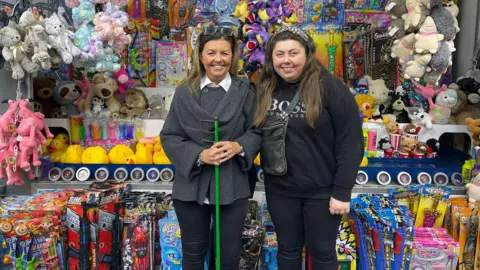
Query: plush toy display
[(473, 125), (123, 81), (450, 6), (105, 88), (442, 59), (416, 15), (36, 38), (427, 39), (429, 92), (444, 102), (156, 108), (378, 90), (396, 8), (419, 117), (60, 38), (64, 94), (403, 48), (416, 69), (135, 102), (444, 21), (15, 53)]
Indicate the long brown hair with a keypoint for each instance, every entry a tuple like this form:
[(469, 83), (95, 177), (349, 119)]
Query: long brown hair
[(197, 72), (311, 81)]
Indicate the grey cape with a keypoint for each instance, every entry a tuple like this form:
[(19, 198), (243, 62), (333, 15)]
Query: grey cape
[(189, 129)]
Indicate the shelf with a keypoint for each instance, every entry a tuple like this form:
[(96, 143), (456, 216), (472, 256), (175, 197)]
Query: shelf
[(161, 186), (152, 127)]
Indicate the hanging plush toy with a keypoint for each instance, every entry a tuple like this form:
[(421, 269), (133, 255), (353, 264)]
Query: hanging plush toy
[(36, 38), (15, 53), (60, 38), (427, 39)]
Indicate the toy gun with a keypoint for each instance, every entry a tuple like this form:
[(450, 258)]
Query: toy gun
[(84, 239), (117, 239)]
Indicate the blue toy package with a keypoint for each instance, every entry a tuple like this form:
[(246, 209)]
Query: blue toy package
[(324, 15), (171, 244), (268, 257)]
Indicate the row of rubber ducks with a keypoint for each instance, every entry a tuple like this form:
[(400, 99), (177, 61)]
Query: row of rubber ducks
[(147, 151)]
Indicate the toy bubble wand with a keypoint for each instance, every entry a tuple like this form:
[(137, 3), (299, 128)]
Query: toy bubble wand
[(331, 49), (217, 204)]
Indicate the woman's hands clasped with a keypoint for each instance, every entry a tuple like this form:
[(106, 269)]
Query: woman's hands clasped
[(220, 152)]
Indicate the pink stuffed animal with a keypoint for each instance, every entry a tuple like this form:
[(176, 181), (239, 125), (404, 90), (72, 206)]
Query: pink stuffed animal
[(26, 112), (429, 92), (3, 164), (7, 120), (123, 81), (84, 87), (14, 174)]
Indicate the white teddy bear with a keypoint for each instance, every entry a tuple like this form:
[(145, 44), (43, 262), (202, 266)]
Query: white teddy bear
[(36, 37), (15, 52), (60, 38), (428, 39), (403, 48), (416, 69)]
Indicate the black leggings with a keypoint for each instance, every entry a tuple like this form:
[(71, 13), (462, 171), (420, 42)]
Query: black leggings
[(300, 222), (195, 220)]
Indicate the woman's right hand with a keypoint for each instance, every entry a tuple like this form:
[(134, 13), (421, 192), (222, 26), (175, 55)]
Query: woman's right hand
[(211, 156)]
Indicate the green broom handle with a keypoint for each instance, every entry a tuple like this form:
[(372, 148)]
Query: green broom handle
[(217, 204)]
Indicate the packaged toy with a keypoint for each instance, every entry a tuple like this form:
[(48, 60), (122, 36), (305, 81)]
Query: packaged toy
[(324, 15), (432, 207), (171, 63), (140, 61)]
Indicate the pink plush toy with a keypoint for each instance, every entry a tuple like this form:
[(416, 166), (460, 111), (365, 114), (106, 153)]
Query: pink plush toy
[(28, 142), (26, 112), (7, 121), (14, 174), (83, 87), (123, 81), (429, 92)]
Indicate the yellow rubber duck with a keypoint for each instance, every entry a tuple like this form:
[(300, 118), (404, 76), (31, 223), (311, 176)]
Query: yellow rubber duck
[(95, 155), (64, 137), (142, 156), (256, 162), (73, 155), (364, 162), (57, 148), (44, 147), (119, 154), (161, 158)]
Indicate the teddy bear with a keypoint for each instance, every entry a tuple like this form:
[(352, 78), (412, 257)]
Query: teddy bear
[(415, 16), (15, 53), (408, 145), (393, 128), (419, 117), (378, 90), (421, 148), (412, 129), (64, 94), (444, 21), (135, 102), (416, 69), (427, 39), (60, 38), (403, 48), (37, 38), (444, 102), (396, 8), (105, 88), (156, 108), (473, 126), (454, 10), (42, 91)]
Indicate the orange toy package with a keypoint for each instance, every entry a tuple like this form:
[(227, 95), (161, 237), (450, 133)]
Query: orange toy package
[(180, 14)]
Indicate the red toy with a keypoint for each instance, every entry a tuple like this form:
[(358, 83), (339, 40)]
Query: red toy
[(429, 92), (123, 81)]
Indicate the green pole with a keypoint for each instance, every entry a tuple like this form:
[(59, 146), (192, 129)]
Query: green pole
[(217, 204)]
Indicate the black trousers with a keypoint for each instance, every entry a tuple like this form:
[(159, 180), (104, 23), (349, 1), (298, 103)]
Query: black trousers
[(304, 222), (194, 220)]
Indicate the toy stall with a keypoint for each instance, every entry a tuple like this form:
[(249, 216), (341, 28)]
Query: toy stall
[(94, 83)]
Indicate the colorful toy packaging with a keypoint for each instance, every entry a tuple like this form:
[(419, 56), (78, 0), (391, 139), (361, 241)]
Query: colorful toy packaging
[(171, 63), (170, 243), (432, 206), (324, 15)]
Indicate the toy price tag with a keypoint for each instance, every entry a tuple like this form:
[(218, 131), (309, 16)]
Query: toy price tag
[(390, 6), (393, 31), (19, 138)]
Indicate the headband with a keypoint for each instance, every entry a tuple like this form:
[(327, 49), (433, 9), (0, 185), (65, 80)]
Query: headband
[(291, 29)]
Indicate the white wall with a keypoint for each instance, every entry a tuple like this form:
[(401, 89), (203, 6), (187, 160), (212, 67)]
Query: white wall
[(469, 23)]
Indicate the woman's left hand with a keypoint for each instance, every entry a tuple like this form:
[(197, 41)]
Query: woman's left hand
[(338, 207), (230, 149)]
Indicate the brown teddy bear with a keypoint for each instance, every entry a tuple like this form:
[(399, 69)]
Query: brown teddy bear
[(393, 128), (105, 88), (135, 102), (42, 93), (421, 148), (473, 125), (412, 129), (408, 145)]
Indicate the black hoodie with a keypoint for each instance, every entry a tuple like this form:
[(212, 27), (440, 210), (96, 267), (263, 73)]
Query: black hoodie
[(322, 162)]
